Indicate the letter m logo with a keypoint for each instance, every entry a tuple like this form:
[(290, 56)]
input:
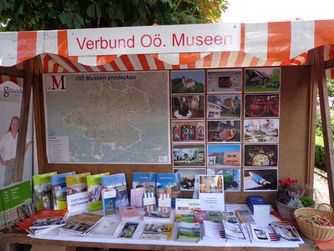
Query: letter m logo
[(55, 83)]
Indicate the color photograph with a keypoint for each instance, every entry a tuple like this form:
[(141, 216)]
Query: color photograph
[(189, 155), (265, 180), (231, 178), (188, 131), (187, 107), (188, 177), (224, 80), (211, 184), (266, 105), (188, 81), (223, 155), (224, 106), (261, 155), (261, 130), (224, 131), (263, 79)]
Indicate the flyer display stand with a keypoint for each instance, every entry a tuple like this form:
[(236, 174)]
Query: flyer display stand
[(302, 60)]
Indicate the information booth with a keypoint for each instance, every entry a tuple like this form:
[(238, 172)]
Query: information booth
[(110, 100)]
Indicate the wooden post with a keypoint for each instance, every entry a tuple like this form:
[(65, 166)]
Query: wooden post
[(39, 116), (318, 71), (24, 116), (311, 133)]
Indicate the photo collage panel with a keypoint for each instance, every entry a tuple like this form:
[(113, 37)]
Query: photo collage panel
[(226, 122), (261, 128)]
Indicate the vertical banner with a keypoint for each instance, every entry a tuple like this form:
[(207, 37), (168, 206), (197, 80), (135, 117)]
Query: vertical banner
[(10, 106)]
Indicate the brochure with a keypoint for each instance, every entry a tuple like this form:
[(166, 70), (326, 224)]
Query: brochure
[(201, 215), (229, 216), (128, 230), (149, 204), (130, 213), (213, 231), (188, 232), (157, 231), (234, 231), (136, 196), (117, 182), (285, 231), (215, 216), (169, 183), (106, 227), (245, 216), (184, 209), (42, 220), (144, 180), (108, 201), (80, 224), (94, 191), (42, 195), (16, 203), (211, 192), (59, 190), (77, 183)]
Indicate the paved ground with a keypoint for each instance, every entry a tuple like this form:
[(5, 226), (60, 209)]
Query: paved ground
[(321, 194)]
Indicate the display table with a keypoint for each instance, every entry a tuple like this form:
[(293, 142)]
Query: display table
[(53, 240), (62, 245)]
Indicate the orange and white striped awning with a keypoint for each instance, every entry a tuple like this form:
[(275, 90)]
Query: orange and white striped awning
[(261, 44)]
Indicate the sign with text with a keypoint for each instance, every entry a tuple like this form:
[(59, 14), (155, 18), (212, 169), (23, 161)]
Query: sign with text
[(154, 39)]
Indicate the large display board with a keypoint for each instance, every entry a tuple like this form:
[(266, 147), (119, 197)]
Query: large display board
[(107, 117)]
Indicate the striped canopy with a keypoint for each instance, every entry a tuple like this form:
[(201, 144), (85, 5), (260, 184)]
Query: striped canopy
[(261, 44)]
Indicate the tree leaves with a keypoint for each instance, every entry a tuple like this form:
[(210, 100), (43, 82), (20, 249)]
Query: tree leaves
[(62, 14), (94, 10)]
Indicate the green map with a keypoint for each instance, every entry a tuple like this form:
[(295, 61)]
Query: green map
[(107, 117)]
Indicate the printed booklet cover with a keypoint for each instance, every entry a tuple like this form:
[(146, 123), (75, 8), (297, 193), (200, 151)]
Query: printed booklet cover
[(94, 191), (117, 182), (128, 230), (188, 232), (144, 180), (157, 231), (211, 192), (106, 227), (59, 190), (16, 203), (42, 195), (80, 224), (77, 183), (169, 183)]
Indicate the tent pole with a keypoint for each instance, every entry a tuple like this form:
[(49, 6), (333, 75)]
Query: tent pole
[(317, 59), (311, 132), (24, 117), (39, 115)]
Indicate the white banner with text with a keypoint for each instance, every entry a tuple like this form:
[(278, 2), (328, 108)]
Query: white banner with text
[(154, 39)]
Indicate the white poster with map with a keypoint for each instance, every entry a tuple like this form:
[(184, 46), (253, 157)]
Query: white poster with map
[(107, 117)]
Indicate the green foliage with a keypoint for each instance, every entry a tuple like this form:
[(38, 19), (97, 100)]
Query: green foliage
[(318, 125), (330, 88), (274, 80), (307, 201), (178, 87), (320, 157), (56, 14)]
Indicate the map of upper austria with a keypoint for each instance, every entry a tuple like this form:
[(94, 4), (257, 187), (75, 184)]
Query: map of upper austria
[(107, 117)]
